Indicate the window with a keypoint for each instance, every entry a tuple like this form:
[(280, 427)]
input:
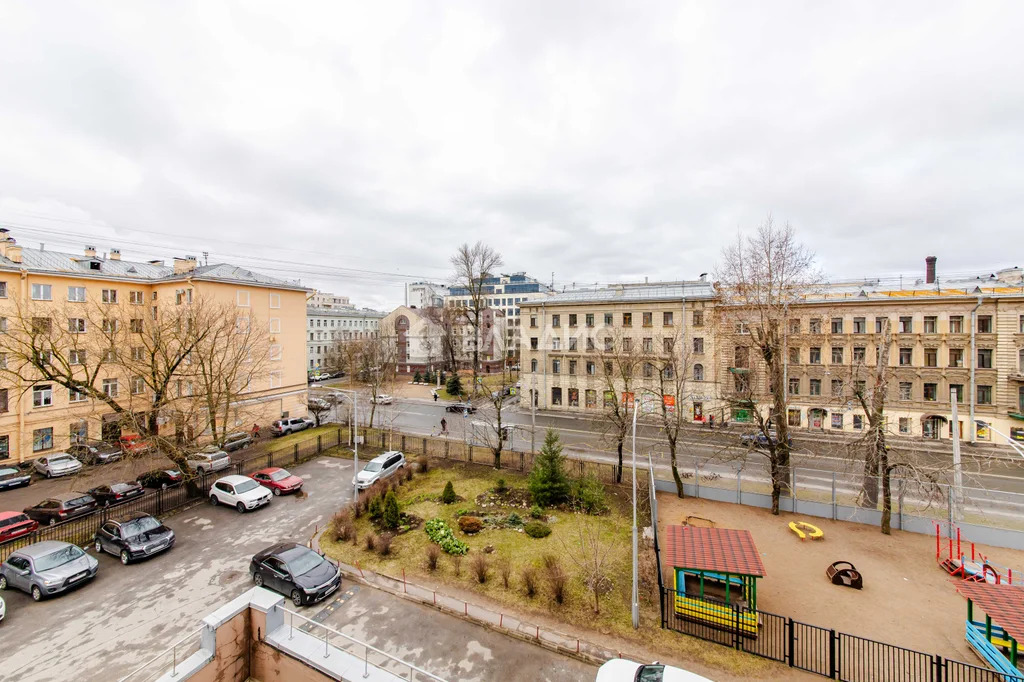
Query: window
[(698, 372), (242, 298), (3, 294), (793, 417), (698, 318), (42, 439), (648, 319), (110, 326), (698, 345), (794, 356), (275, 351), (275, 300), (138, 385), (76, 356), (608, 319), (740, 383), (3, 400), (837, 420), (905, 425), (958, 391), (590, 320), (110, 387), (137, 297), (572, 367), (77, 396), (1020, 361), (985, 358), (1020, 328), (741, 328), (574, 397), (275, 377), (556, 343), (591, 397), (906, 325), (794, 326), (590, 344), (241, 325), (42, 395), (76, 294), (76, 325), (533, 365), (591, 368), (648, 370), (837, 387), (648, 345), (556, 395), (109, 295), (627, 345), (984, 324), (931, 323), (858, 422), (42, 292), (533, 343), (556, 366), (741, 357), (666, 319), (135, 326), (984, 395), (609, 344), (860, 325), (572, 319), (275, 325), (931, 357), (556, 320), (931, 392), (3, 325), (668, 344), (608, 367), (183, 296), (815, 358), (794, 386), (906, 356), (859, 354), (880, 324), (837, 325), (1020, 398), (815, 325), (837, 355), (609, 398), (906, 390), (533, 321), (815, 387), (627, 319), (573, 343)]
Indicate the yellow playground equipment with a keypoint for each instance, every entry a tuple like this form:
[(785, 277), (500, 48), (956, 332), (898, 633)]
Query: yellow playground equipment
[(806, 530)]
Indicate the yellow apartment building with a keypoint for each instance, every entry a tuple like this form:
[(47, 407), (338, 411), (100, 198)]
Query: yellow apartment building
[(90, 308)]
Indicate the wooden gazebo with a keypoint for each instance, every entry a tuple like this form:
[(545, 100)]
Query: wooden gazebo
[(996, 638)]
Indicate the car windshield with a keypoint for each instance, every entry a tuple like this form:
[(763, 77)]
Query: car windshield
[(245, 486), (303, 561), (79, 501), (8, 472), (650, 673), (62, 556), (279, 475), (60, 460), (121, 487), (139, 526), (372, 466)]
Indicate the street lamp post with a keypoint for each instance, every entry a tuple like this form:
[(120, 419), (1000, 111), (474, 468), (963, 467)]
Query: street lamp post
[(355, 438)]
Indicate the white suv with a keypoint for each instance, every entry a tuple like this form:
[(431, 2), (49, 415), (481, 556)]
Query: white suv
[(379, 468), (239, 491), (208, 460)]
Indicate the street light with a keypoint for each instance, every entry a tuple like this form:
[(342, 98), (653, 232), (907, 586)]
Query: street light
[(355, 438), (636, 560)]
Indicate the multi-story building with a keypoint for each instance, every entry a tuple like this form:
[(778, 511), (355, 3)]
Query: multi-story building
[(422, 342), (326, 326), (505, 293), (425, 294), (322, 299), (96, 312)]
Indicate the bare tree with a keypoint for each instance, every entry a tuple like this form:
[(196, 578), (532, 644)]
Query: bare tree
[(473, 265), (672, 367), (591, 551), (377, 367), (760, 276), (619, 359), (495, 430), (449, 323)]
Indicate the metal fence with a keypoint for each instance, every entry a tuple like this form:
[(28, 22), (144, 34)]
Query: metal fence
[(823, 651), (82, 530)]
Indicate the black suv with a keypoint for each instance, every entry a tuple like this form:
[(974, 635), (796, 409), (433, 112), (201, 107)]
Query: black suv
[(116, 493), (463, 408), (134, 536), (102, 453), (295, 571), (61, 507)]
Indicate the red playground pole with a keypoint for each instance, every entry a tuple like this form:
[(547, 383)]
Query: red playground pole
[(936, 542), (958, 553)]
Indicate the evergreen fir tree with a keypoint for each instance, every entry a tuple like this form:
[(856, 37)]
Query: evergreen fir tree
[(548, 483)]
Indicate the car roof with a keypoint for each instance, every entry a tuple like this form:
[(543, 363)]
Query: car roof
[(52, 455), (131, 516), (10, 514), (233, 479), (385, 456), (274, 550), (268, 470), (64, 497), (42, 548)]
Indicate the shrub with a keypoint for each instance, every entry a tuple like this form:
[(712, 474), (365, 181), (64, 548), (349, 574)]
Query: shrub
[(390, 517), (587, 495), (457, 564), (448, 494), (423, 462), (382, 543), (408, 473), (514, 520), (344, 530), (454, 385), (551, 563), (433, 554), (536, 529), (481, 569), (417, 378), (505, 570), (470, 524), (463, 511), (375, 507), (536, 512), (548, 483), (441, 533), (500, 486), (371, 542), (530, 581), (556, 584)]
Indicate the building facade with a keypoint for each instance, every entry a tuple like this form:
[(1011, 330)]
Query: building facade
[(322, 299), (425, 294), (421, 339), (327, 326), (505, 293), (92, 314)]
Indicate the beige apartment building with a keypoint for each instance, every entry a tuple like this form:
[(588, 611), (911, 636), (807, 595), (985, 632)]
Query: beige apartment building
[(421, 345), (94, 310), (946, 336)]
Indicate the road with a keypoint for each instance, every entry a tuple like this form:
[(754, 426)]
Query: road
[(128, 614)]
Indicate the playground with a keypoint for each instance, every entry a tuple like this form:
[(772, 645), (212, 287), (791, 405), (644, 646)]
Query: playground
[(907, 598)]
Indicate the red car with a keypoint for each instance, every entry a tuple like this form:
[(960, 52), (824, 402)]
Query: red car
[(15, 524), (280, 481), (133, 443)]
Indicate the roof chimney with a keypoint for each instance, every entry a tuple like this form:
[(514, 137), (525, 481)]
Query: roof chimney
[(90, 251), (929, 269), (115, 254), (183, 265), (13, 251)]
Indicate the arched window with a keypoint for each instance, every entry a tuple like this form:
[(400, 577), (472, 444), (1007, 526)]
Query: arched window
[(698, 372)]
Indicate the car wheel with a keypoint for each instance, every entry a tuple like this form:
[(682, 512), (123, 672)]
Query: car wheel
[(201, 471), (3, 582), (49, 475), (240, 507), (53, 521), (296, 597), (258, 579), (99, 547), (124, 557), (213, 500), (163, 486), (37, 594), (276, 491)]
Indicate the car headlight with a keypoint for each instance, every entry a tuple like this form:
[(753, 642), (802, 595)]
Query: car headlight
[(50, 581)]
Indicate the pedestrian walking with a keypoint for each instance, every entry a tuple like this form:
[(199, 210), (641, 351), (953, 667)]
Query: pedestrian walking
[(711, 422), (255, 431), (444, 425), (434, 393)]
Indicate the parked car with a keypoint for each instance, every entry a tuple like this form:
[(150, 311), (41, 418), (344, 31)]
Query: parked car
[(461, 408), (3, 609), (13, 477), (160, 478), (382, 399), (279, 481), (296, 572), (62, 507), (57, 464), (758, 439), (134, 536), (134, 444), (319, 402), (15, 524), (310, 422), (95, 454), (240, 492), (379, 468), (236, 441), (47, 568), (621, 670), (207, 460), (285, 426), (116, 493)]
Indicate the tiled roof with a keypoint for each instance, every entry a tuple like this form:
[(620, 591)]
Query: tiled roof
[(1003, 603), (722, 550)]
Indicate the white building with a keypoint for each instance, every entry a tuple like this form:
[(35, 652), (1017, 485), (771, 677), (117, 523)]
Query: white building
[(325, 326), (322, 299), (425, 295)]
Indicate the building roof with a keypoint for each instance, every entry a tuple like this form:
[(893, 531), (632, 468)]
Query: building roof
[(722, 550), (317, 311), (633, 293), (1003, 603)]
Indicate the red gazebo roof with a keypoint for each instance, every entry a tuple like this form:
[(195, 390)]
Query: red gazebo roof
[(1003, 603), (722, 550)]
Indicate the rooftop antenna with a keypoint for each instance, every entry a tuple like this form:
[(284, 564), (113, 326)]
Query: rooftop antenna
[(206, 257), (552, 279)]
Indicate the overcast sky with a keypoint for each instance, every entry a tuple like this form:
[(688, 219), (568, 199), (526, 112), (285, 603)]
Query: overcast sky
[(600, 141)]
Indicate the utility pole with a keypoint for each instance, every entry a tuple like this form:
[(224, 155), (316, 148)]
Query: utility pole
[(958, 474)]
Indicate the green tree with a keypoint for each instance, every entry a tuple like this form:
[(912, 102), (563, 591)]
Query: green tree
[(548, 483), (454, 385), (448, 494), (391, 517), (417, 377)]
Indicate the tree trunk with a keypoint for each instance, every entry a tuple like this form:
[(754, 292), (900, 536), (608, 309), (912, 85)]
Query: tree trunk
[(618, 469), (886, 495), (675, 469), (373, 410), (497, 456), (776, 487), (869, 485)]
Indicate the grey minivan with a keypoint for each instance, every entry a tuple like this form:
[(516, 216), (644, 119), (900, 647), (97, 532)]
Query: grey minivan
[(47, 568)]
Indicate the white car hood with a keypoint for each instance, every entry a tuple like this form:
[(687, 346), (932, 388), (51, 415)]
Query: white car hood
[(257, 494), (367, 475)]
